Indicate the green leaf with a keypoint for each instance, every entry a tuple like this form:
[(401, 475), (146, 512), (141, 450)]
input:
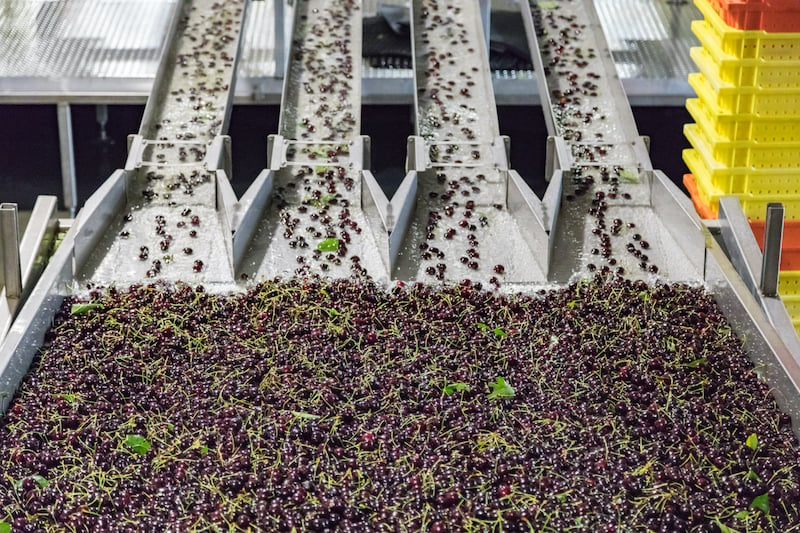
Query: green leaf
[(326, 198), (83, 308), (751, 475), (332, 312), (500, 333), (138, 444), (723, 528), (548, 4), (70, 398), (697, 362), (501, 389), (328, 245), (629, 176), (5, 527), (483, 326), (761, 503), (752, 442), (301, 414), (670, 343), (572, 303), (203, 449), (742, 515), (458, 386), (42, 482)]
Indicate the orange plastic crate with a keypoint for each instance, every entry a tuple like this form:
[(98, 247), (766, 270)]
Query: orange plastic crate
[(766, 15), (703, 209)]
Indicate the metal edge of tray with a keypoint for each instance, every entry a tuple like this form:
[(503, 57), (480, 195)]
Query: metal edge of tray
[(235, 69), (773, 361), (677, 215), (287, 75), (545, 98), (485, 69), (414, 65)]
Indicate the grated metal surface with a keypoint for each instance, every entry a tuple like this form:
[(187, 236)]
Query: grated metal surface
[(649, 38), (80, 39)]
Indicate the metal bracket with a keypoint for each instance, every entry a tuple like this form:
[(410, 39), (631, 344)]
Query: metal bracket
[(218, 155), (557, 156), (771, 259), (282, 152), (11, 270), (138, 146), (423, 154)]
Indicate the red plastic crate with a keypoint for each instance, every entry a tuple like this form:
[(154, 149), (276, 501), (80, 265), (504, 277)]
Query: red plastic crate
[(766, 15), (790, 248)]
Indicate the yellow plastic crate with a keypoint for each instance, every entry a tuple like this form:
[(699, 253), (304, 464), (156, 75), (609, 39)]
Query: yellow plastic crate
[(745, 72), (743, 127), (789, 291), (746, 100), (749, 44), (755, 189), (744, 153)]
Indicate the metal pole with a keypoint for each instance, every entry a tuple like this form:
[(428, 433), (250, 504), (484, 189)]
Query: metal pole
[(771, 260), (66, 146), (280, 39), (9, 248)]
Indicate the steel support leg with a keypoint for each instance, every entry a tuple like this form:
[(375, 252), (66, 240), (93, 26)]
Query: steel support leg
[(9, 250), (67, 154)]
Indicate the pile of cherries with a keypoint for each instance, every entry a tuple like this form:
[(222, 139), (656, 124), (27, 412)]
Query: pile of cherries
[(312, 405)]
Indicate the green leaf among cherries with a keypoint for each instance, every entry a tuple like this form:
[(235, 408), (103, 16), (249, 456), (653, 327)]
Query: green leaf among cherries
[(458, 386), (328, 245), (138, 444), (83, 308), (761, 503), (501, 389)]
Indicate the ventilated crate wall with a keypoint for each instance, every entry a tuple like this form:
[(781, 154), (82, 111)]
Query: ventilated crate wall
[(746, 136)]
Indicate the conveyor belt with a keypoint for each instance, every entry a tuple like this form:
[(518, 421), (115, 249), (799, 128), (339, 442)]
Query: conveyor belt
[(170, 226), (461, 226), (310, 217), (606, 220)]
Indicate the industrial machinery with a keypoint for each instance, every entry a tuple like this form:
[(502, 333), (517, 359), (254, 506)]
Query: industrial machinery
[(462, 211)]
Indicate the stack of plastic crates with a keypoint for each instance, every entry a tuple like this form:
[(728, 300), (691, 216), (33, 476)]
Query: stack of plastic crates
[(746, 135)]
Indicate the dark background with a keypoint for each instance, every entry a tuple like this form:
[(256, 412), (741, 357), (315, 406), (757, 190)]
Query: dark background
[(29, 158)]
